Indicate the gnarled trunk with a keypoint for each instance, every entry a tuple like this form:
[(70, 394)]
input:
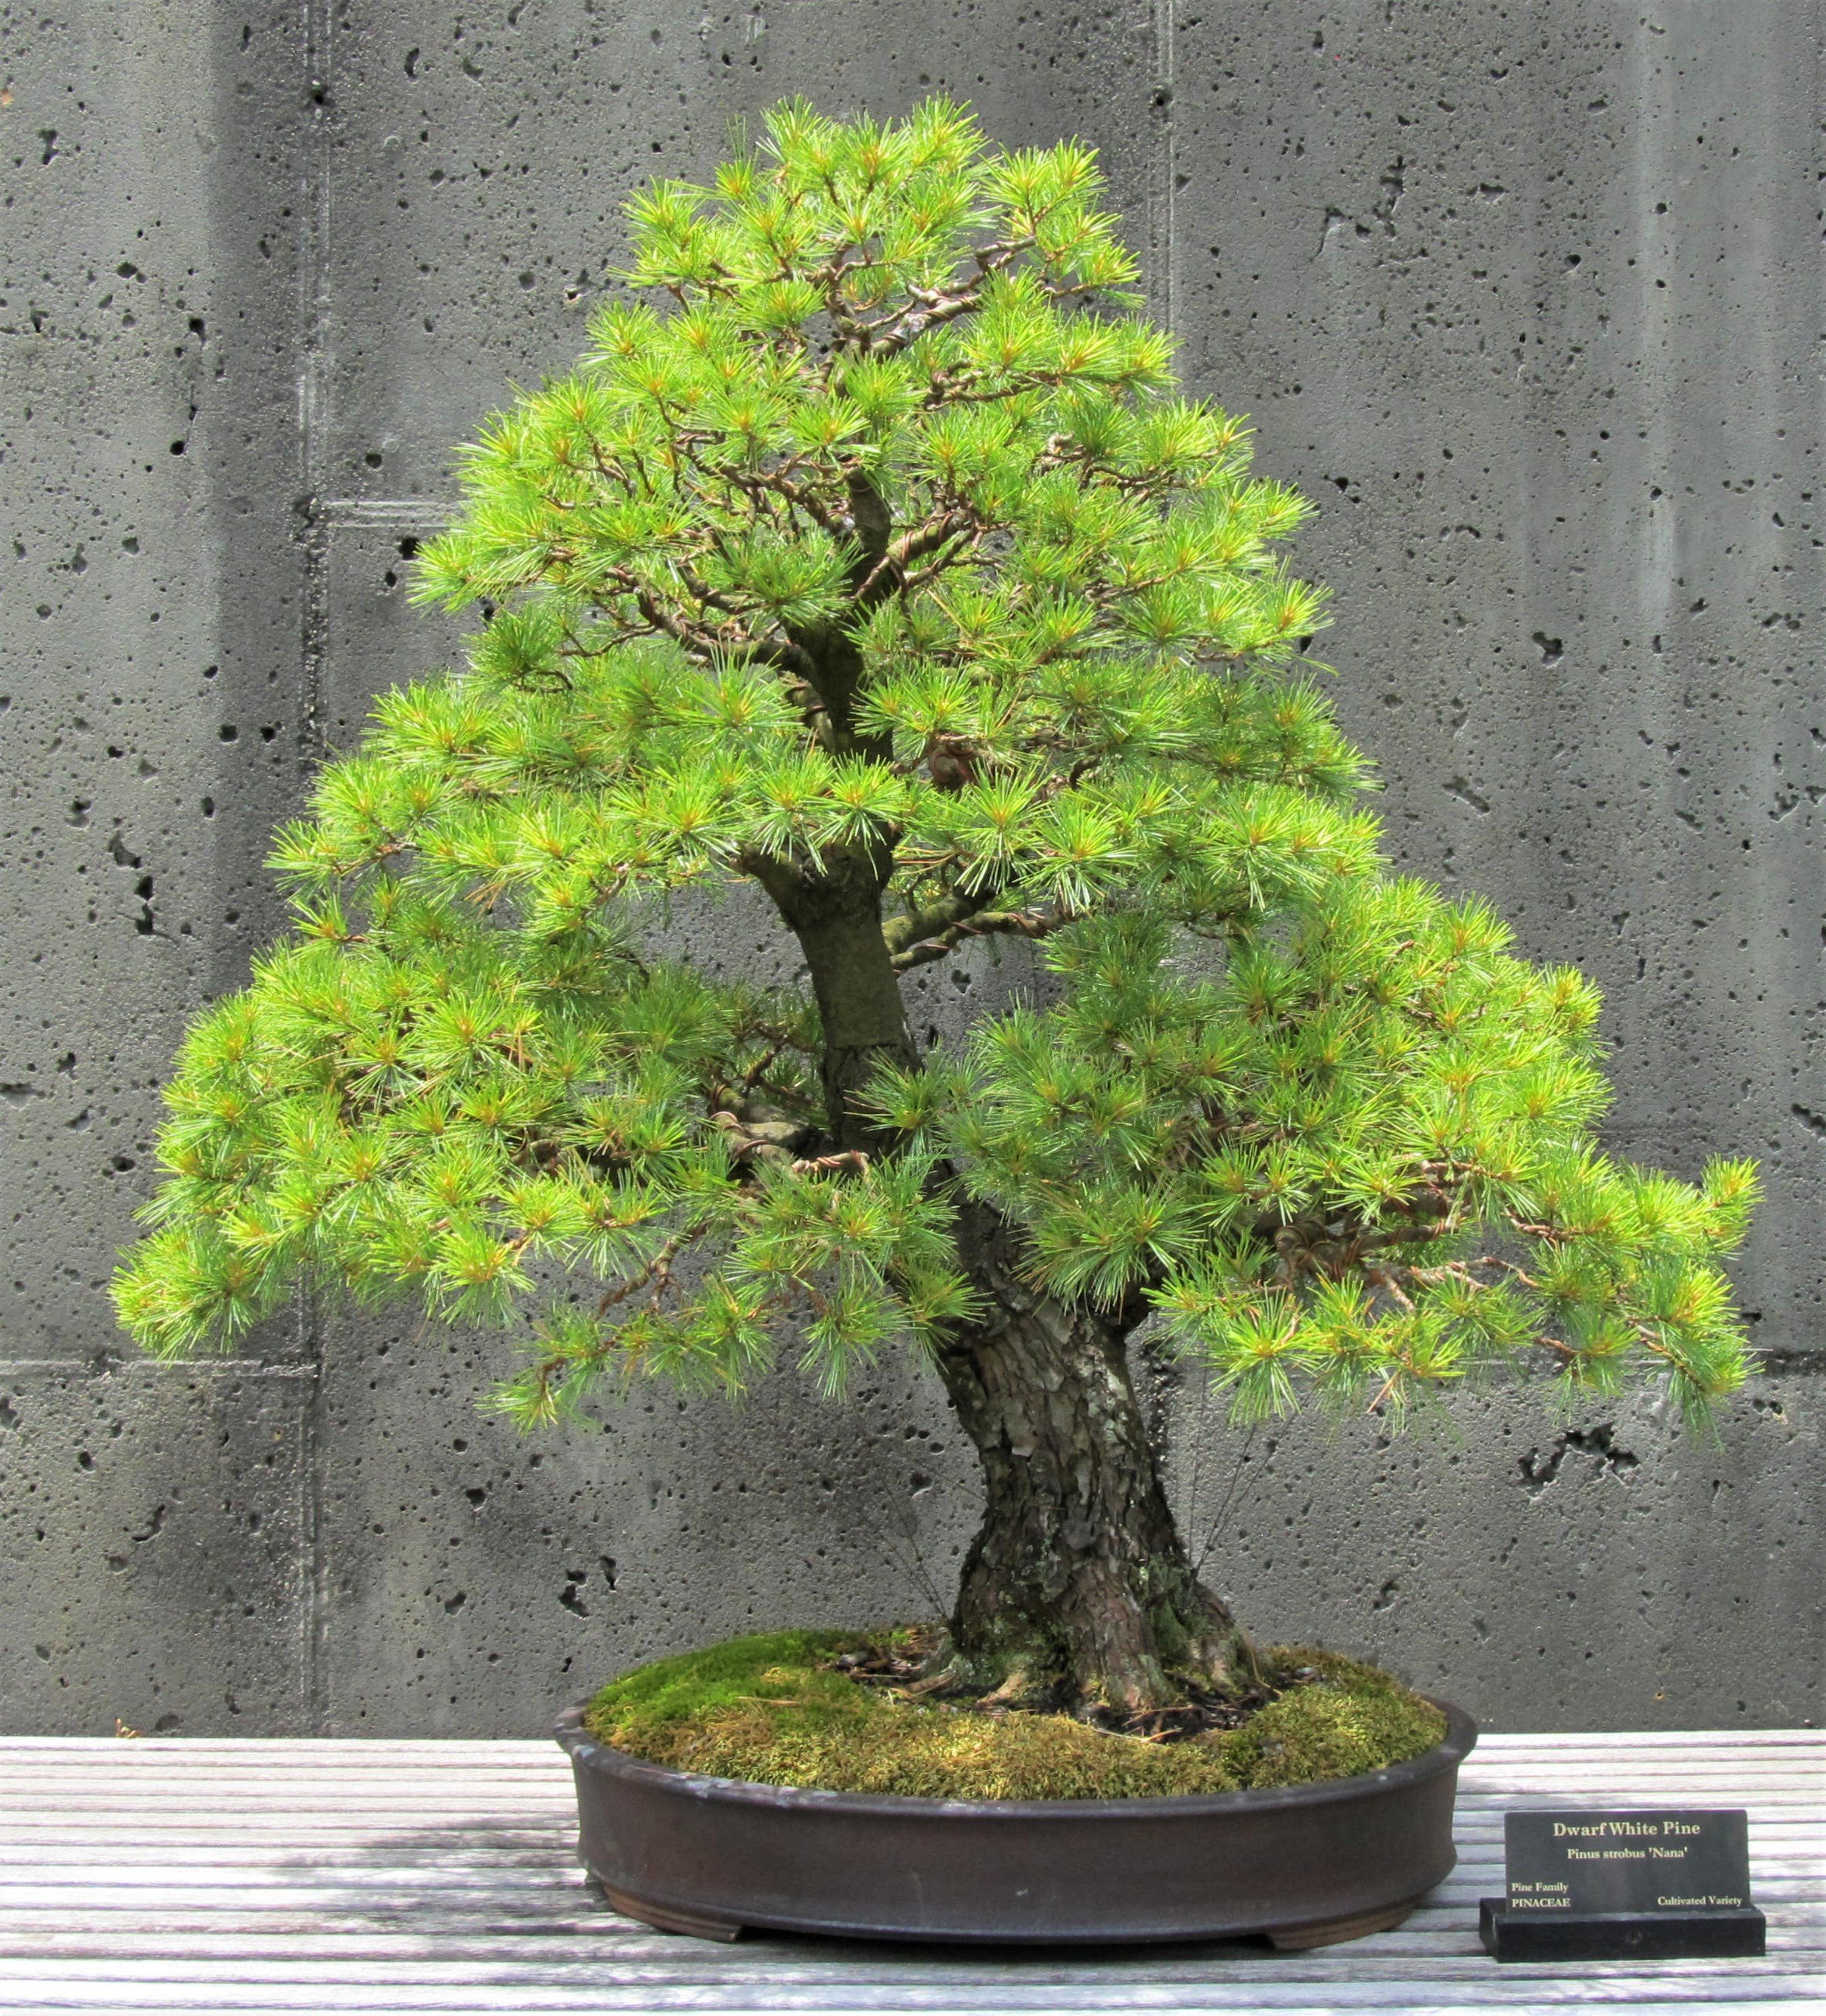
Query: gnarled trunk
[(1078, 1589), (1079, 1580)]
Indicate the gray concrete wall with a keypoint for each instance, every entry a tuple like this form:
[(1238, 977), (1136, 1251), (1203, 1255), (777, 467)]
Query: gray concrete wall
[(1528, 299)]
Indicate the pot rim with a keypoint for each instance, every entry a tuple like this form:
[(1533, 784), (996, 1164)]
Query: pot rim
[(1460, 1740)]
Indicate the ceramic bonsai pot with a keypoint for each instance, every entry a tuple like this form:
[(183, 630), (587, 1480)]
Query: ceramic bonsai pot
[(1302, 1865)]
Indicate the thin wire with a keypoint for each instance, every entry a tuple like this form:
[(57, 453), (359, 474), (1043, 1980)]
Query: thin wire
[(1196, 1488), (1223, 1510), (909, 1563)]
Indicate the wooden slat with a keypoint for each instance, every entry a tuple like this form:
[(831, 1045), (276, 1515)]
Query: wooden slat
[(438, 1877)]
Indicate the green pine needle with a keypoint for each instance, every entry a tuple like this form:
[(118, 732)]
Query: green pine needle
[(877, 532)]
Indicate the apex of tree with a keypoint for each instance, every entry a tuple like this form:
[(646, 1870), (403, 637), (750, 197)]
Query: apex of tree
[(874, 557)]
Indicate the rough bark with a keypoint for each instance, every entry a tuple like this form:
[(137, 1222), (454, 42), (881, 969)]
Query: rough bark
[(1078, 1587)]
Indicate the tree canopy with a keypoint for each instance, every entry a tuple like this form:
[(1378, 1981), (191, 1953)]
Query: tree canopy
[(872, 546)]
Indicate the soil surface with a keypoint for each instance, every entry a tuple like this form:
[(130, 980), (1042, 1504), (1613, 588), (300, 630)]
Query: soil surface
[(861, 1711)]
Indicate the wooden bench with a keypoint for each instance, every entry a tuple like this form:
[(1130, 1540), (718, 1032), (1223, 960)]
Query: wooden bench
[(172, 1874)]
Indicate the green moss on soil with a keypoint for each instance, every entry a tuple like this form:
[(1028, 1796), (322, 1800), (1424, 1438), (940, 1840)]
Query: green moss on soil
[(773, 1710)]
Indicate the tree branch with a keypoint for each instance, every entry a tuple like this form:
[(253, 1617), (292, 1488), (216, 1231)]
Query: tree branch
[(1013, 923), (889, 571), (929, 306), (900, 932)]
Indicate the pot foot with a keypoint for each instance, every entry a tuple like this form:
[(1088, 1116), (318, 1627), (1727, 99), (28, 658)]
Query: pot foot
[(1332, 1932), (664, 1918)]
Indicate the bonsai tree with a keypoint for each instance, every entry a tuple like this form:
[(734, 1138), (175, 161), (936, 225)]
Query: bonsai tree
[(871, 555)]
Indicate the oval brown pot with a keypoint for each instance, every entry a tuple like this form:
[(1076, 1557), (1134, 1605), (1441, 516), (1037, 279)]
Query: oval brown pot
[(1302, 1865)]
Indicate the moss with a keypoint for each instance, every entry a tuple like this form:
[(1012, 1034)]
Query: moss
[(1355, 1718), (774, 1710)]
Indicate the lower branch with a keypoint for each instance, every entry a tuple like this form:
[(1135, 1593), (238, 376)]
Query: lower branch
[(1010, 923)]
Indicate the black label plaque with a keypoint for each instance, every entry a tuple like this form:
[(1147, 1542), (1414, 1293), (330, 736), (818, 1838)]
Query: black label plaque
[(1646, 1884), (1627, 1861)]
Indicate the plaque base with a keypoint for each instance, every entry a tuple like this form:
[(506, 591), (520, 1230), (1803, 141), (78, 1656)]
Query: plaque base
[(1730, 1933)]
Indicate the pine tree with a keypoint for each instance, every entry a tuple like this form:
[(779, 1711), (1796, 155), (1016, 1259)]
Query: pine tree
[(872, 557)]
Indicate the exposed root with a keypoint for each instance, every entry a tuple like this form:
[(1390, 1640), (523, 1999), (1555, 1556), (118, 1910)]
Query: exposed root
[(919, 1663)]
